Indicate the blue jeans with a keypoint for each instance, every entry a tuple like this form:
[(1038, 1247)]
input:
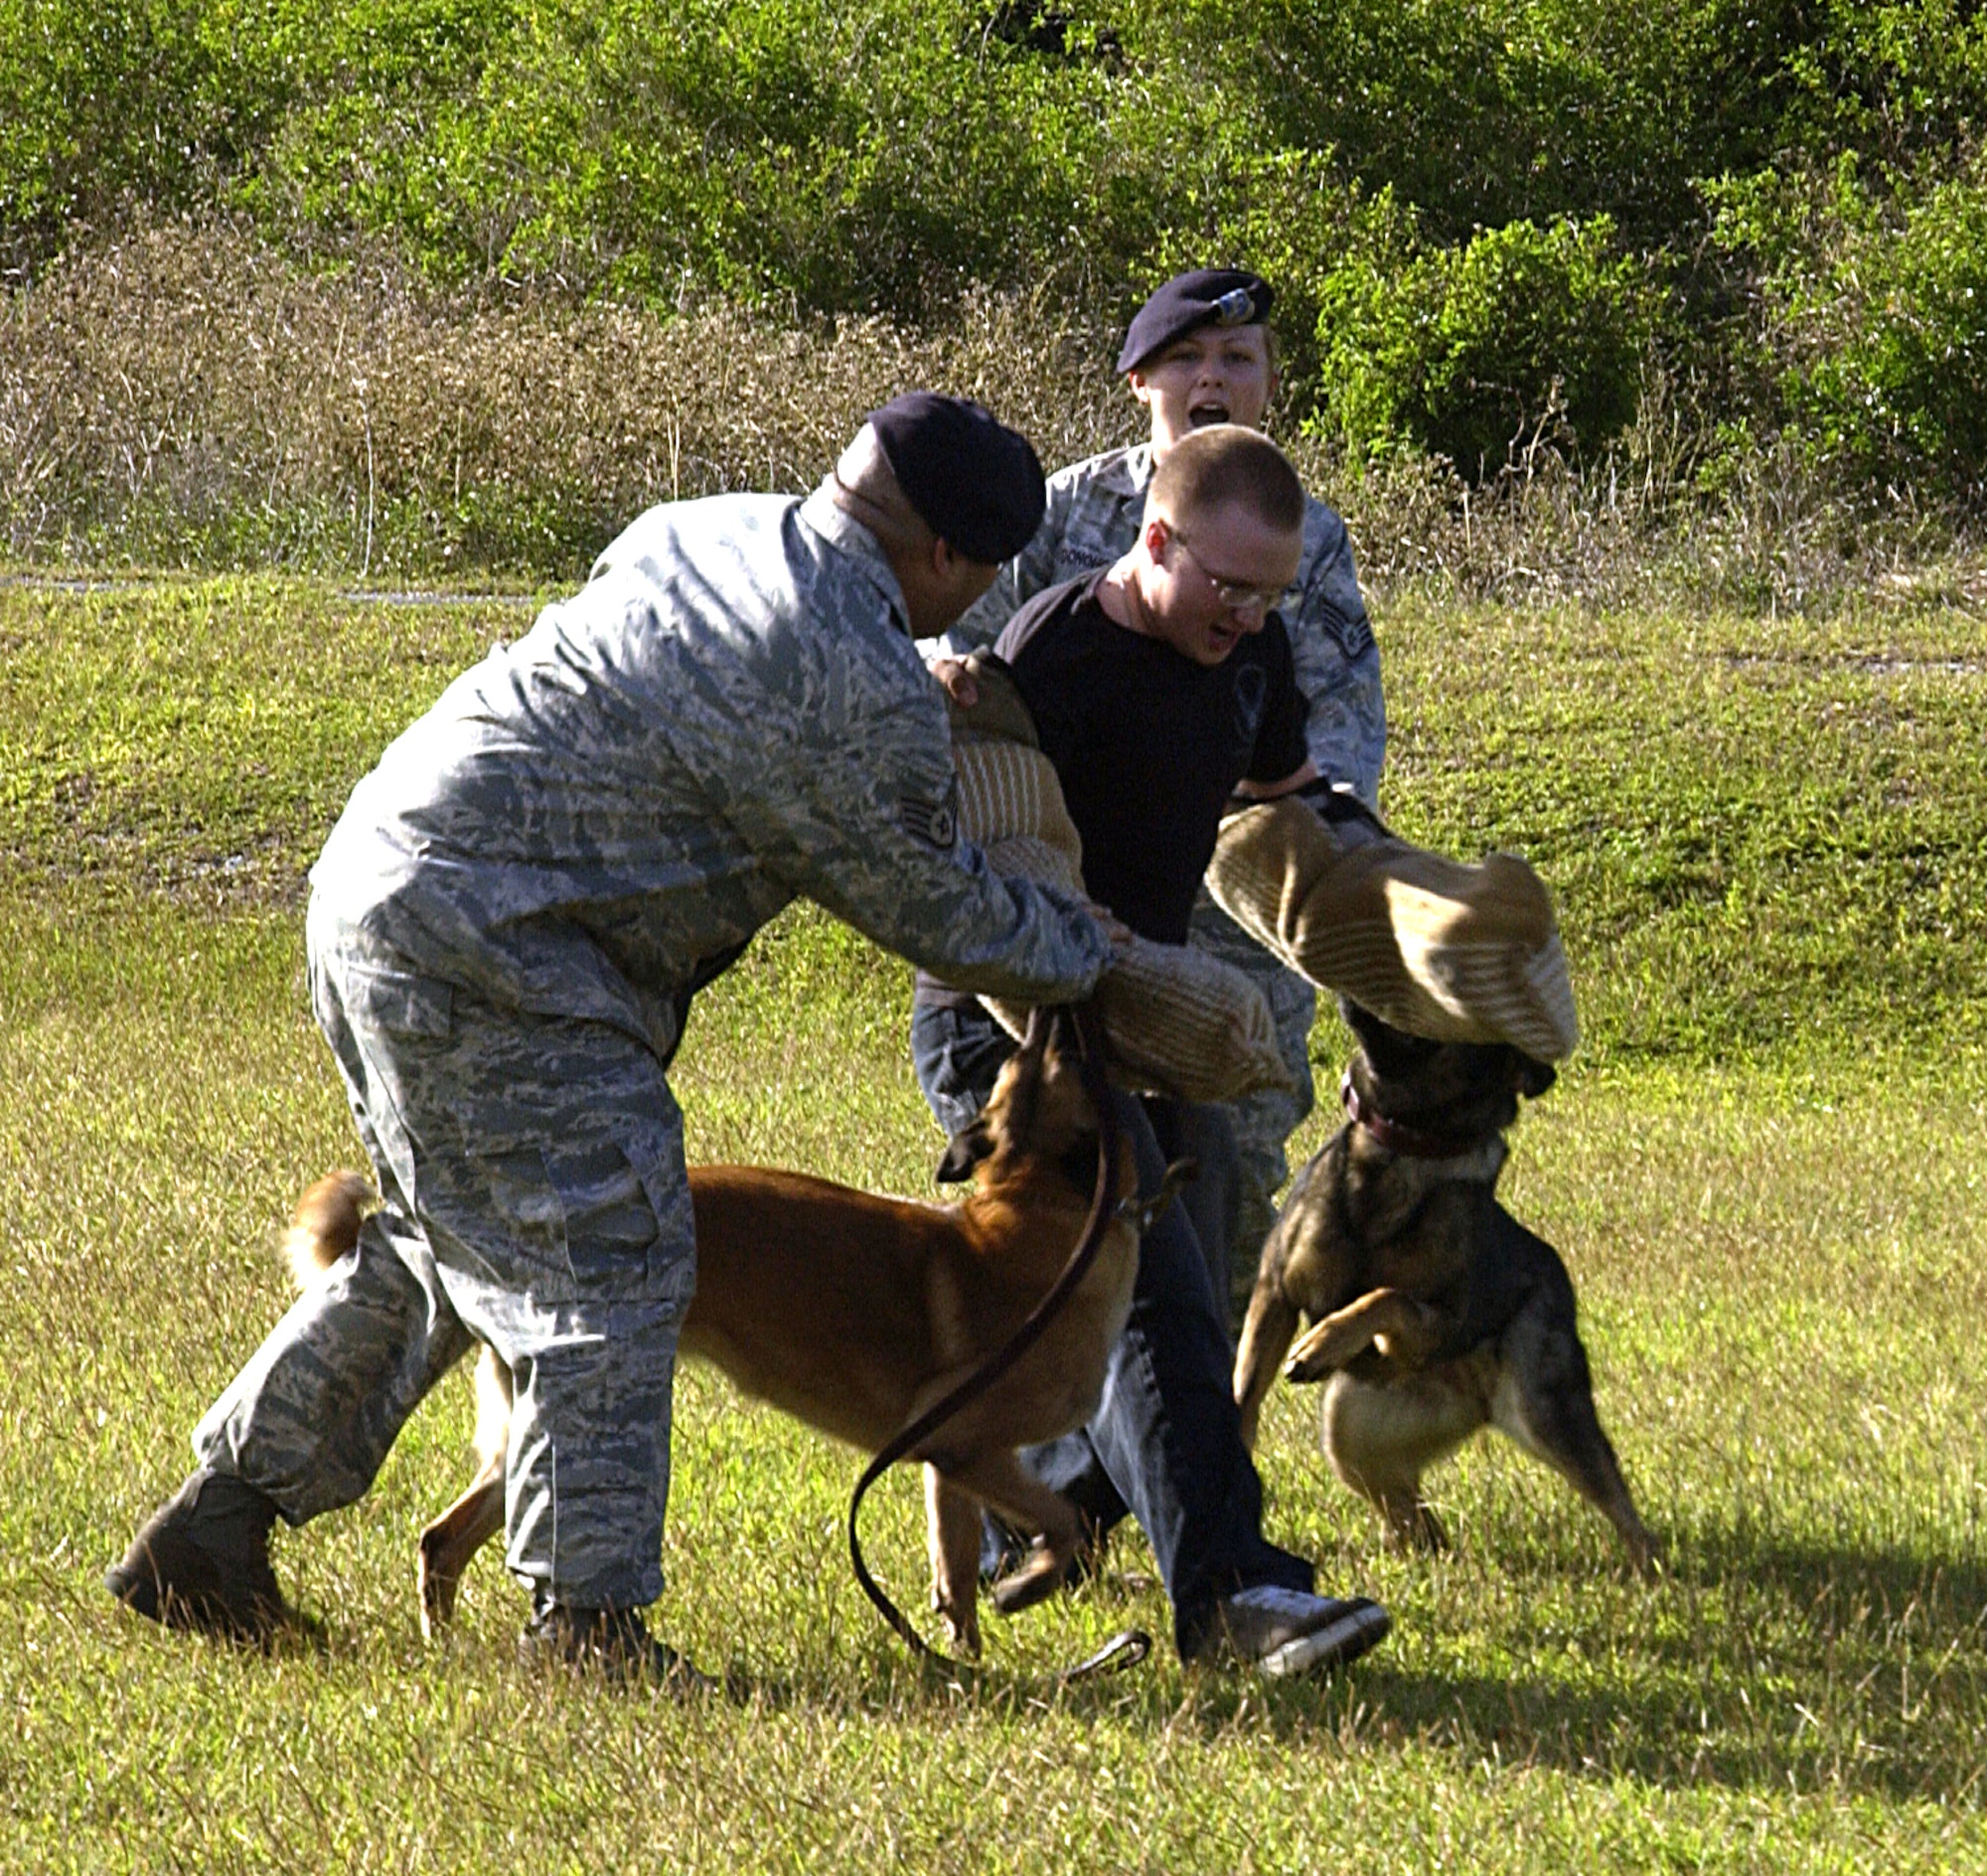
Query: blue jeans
[(1164, 1443)]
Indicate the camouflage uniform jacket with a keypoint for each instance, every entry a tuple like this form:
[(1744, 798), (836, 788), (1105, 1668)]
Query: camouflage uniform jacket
[(1094, 512), (728, 714)]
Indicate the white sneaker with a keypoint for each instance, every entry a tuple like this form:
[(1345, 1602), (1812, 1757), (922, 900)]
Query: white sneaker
[(1282, 1632)]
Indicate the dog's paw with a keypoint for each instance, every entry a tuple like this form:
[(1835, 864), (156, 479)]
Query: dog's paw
[(1645, 1552), (1413, 1526), (1034, 1582), (1324, 1349), (437, 1581), (961, 1630)]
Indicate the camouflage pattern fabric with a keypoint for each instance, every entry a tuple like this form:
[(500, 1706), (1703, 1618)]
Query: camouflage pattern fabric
[(535, 1198), (730, 713), (505, 926), (1265, 1119), (1094, 511)]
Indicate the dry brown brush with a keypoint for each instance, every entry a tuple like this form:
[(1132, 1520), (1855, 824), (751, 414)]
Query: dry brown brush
[(188, 395), (181, 394)]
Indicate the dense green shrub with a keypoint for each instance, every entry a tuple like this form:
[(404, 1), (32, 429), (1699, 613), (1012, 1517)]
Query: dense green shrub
[(1872, 320), (872, 152), (1470, 352), (1485, 112), (1474, 209), (870, 157), (95, 101), (1896, 81)]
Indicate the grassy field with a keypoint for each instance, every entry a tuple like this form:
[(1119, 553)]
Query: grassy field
[(1769, 838)]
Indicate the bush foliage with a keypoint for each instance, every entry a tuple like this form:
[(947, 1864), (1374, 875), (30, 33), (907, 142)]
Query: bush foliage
[(1492, 220), (1470, 351), (1870, 326)]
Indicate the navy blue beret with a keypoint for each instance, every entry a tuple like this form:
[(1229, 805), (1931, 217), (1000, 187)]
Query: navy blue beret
[(974, 482), (1208, 296)]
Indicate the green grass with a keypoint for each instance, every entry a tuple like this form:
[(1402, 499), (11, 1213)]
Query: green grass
[(1764, 1170)]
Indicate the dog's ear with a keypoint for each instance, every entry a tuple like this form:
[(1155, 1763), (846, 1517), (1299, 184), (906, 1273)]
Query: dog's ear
[(1534, 1077), (962, 1152), (1350, 1012)]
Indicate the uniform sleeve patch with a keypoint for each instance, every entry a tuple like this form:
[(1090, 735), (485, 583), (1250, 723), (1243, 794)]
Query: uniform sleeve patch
[(935, 822), (1084, 556), (1353, 635)]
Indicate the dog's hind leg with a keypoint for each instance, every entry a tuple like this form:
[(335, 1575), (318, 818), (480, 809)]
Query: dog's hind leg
[(478, 1516), (452, 1539), (1379, 1438), (1545, 1402), (952, 1536)]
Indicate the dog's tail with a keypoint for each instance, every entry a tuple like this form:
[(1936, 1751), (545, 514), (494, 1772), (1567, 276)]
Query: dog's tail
[(326, 1225)]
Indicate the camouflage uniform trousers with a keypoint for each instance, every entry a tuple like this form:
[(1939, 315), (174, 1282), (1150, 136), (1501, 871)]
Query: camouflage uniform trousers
[(1263, 1121), (536, 1198)]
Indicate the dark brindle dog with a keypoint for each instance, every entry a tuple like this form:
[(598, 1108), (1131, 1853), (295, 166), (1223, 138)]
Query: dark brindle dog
[(1433, 1312)]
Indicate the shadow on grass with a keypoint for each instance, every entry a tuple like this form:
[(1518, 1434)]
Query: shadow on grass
[(1891, 1581), (1781, 1665), (1759, 1666)]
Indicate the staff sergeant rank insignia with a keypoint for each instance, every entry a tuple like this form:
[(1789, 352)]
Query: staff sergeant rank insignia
[(935, 822)]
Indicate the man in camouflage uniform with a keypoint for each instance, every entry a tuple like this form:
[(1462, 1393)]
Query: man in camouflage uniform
[(1197, 353), (505, 930)]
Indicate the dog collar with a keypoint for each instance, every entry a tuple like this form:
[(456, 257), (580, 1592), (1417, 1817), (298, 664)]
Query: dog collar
[(1410, 1143)]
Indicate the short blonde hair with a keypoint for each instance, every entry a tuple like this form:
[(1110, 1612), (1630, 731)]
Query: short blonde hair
[(1222, 464)]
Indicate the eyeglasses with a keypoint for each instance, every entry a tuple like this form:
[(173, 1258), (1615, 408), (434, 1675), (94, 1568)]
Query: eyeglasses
[(1237, 595)]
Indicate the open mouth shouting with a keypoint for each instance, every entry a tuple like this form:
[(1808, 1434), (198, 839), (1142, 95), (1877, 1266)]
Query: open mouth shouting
[(1210, 375)]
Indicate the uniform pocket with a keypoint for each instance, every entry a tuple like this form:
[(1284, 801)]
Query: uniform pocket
[(625, 1223), (514, 1222), (557, 1225)]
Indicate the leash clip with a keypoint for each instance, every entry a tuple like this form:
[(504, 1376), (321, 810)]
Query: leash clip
[(1143, 1214)]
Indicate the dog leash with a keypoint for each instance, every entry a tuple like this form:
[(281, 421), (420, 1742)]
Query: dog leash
[(1130, 1645)]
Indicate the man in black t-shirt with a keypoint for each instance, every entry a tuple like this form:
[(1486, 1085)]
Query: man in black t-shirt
[(1113, 706), (1159, 688)]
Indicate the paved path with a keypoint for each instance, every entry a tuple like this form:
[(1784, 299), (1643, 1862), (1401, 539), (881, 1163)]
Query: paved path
[(93, 583)]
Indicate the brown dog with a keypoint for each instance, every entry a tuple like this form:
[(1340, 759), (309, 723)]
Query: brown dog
[(1433, 1312), (855, 1314)]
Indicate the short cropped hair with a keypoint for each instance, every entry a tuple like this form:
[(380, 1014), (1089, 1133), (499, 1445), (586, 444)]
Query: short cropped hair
[(1222, 464)]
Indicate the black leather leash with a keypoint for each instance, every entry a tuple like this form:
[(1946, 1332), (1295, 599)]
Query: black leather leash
[(1130, 1645)]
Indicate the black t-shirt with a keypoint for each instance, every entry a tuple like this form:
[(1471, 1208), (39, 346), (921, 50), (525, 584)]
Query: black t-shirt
[(1148, 743)]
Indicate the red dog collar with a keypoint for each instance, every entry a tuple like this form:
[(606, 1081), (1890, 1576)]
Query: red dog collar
[(1410, 1143)]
